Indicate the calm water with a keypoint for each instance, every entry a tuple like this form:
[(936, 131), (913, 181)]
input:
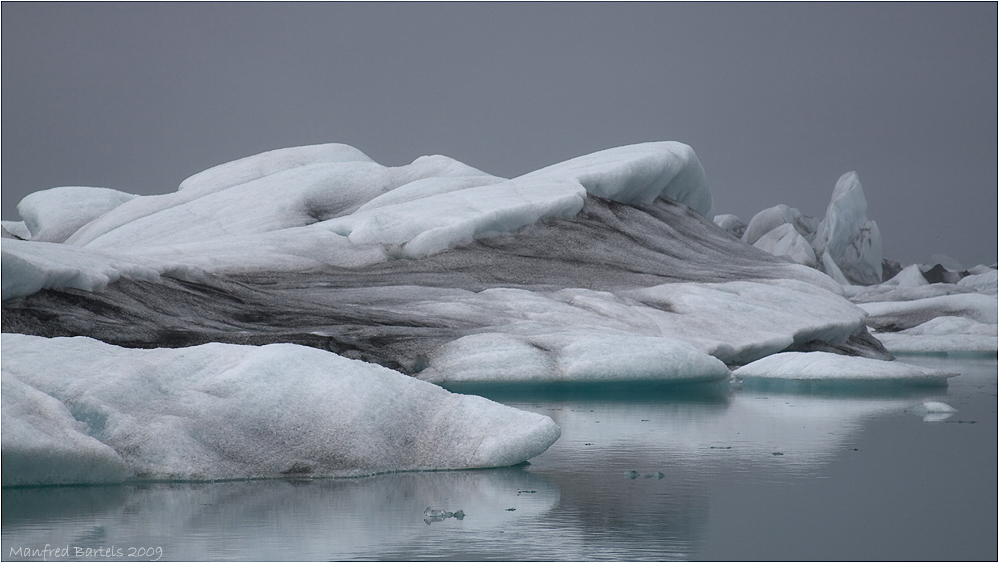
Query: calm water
[(641, 475)]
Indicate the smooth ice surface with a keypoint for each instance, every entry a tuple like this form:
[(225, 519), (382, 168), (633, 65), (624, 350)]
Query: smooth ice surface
[(847, 237), (55, 214), (823, 367), (786, 241), (221, 411)]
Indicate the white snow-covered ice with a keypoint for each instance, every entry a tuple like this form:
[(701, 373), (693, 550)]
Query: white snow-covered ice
[(823, 368), (76, 410)]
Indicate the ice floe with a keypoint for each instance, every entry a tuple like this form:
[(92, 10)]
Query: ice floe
[(77, 410), (823, 368)]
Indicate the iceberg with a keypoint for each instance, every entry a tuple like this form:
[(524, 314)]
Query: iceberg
[(76, 410), (824, 369), (408, 266), (769, 219), (845, 234)]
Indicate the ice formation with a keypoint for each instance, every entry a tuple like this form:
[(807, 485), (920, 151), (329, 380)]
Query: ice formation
[(847, 236), (844, 244), (609, 267), (76, 410), (785, 241), (823, 368), (304, 207)]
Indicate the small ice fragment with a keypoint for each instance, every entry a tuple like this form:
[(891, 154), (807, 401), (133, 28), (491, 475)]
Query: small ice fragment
[(631, 474), (937, 406)]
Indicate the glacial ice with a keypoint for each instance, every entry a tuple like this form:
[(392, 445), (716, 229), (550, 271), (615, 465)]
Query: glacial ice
[(329, 205), (847, 236), (55, 214), (944, 335), (823, 368), (773, 217), (786, 241), (731, 224), (78, 410), (901, 315)]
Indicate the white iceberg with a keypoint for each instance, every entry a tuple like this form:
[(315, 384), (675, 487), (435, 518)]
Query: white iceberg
[(847, 237), (823, 368), (83, 411)]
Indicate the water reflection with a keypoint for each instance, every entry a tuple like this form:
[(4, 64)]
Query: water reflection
[(636, 475)]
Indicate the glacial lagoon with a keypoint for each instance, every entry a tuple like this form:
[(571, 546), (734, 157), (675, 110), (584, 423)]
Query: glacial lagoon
[(681, 473)]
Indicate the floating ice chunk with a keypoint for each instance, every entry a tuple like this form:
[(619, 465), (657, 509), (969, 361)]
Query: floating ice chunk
[(16, 228), (825, 368), (933, 411), (732, 224), (55, 214), (220, 411), (847, 236), (773, 217), (785, 241)]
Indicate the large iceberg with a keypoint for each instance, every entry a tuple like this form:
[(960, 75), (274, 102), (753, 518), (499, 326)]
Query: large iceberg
[(241, 326), (404, 266), (76, 410), (844, 244)]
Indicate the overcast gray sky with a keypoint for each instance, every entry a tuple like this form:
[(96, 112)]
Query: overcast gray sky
[(778, 100)]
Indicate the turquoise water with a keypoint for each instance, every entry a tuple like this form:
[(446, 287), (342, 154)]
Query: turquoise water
[(712, 474)]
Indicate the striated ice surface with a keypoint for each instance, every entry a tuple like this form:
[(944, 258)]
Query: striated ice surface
[(77, 410), (847, 237), (826, 368)]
